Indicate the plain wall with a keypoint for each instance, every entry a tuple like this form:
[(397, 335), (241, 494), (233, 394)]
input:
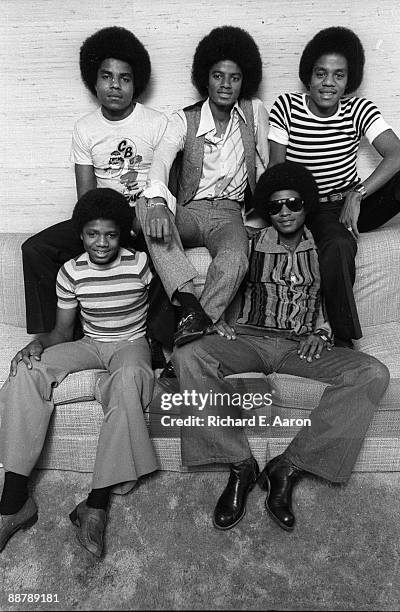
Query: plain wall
[(43, 96)]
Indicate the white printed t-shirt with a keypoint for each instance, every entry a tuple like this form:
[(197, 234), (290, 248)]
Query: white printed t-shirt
[(118, 150)]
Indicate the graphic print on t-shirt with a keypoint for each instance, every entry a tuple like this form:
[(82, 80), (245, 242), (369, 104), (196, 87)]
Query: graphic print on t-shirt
[(123, 163)]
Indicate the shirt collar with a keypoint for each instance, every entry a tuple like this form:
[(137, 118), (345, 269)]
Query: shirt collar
[(268, 241), (207, 123)]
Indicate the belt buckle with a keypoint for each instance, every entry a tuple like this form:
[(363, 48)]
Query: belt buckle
[(336, 197)]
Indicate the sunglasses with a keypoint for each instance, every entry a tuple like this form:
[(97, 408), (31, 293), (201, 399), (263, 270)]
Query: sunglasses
[(293, 204)]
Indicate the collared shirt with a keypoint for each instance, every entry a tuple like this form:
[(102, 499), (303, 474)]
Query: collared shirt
[(283, 287), (224, 174)]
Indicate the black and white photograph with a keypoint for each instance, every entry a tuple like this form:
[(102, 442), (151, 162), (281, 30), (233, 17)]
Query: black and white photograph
[(200, 305)]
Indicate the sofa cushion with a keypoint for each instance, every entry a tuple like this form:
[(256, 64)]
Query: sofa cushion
[(378, 272)]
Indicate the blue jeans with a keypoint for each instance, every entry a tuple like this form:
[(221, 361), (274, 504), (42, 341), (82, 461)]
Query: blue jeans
[(330, 446)]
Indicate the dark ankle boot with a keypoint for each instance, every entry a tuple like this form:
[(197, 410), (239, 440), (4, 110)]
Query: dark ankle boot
[(231, 506), (278, 478)]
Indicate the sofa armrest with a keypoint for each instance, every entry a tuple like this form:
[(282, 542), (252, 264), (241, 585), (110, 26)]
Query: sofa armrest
[(12, 300)]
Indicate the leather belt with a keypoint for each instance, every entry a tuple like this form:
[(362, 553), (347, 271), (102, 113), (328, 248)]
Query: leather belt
[(338, 196), (334, 197)]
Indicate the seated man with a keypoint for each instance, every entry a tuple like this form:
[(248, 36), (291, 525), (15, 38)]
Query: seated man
[(322, 129), (278, 331), (224, 143), (112, 146), (109, 284)]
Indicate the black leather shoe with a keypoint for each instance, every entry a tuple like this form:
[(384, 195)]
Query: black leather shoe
[(191, 327), (91, 524), (23, 519), (278, 478), (231, 506), (168, 371)]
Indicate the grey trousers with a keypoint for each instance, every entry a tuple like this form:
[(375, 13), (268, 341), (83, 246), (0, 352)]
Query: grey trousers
[(216, 225), (124, 450), (329, 447)]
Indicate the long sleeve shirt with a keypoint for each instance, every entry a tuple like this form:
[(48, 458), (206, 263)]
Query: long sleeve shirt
[(282, 287), (224, 173)]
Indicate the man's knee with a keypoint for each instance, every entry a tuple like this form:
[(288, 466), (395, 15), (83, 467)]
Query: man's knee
[(371, 372), (31, 248), (379, 374), (135, 374)]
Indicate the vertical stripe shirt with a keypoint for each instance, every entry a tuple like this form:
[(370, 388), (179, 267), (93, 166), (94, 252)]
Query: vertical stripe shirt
[(112, 297), (282, 288), (327, 146)]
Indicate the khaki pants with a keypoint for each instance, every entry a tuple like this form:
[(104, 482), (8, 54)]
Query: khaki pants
[(216, 225), (124, 451)]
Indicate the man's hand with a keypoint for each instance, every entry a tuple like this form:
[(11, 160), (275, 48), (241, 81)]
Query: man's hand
[(33, 349), (158, 223), (223, 329), (351, 212), (312, 346)]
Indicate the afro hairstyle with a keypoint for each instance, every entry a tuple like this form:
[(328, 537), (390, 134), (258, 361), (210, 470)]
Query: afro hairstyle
[(103, 203), (287, 175), (334, 40), (120, 44), (228, 43)]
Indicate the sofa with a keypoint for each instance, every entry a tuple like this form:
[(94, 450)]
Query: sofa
[(76, 421)]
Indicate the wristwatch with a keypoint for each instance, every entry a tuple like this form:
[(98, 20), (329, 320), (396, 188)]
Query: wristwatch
[(361, 189), (323, 335)]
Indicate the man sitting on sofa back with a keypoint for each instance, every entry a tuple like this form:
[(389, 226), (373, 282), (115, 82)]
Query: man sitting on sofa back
[(109, 284), (223, 140), (280, 329)]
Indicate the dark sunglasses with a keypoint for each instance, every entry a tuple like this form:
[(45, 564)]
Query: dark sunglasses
[(293, 204)]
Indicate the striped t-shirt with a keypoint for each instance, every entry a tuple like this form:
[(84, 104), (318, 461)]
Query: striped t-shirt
[(327, 146), (112, 297), (282, 288)]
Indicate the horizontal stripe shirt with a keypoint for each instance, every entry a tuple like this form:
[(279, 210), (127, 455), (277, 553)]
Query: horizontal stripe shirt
[(327, 146), (112, 297), (282, 289)]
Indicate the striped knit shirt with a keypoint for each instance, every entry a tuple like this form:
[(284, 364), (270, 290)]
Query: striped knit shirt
[(282, 288), (327, 146), (112, 297)]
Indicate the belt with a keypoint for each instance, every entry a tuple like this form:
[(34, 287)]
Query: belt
[(338, 196), (334, 197)]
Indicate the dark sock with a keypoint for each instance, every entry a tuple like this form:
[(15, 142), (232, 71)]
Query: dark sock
[(15, 493), (157, 355), (188, 301), (99, 498)]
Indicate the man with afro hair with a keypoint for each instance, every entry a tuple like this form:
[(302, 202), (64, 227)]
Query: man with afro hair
[(322, 129), (280, 328), (223, 145), (108, 286), (112, 147)]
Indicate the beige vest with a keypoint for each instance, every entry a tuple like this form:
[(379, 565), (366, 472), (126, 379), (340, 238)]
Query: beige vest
[(191, 163)]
